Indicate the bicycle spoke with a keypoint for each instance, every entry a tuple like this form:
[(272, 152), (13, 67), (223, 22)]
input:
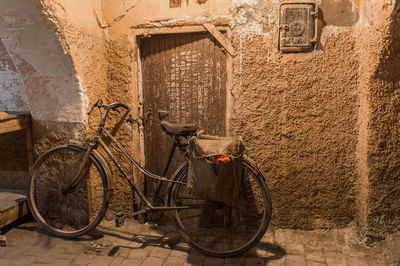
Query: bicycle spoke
[(61, 212), (219, 229)]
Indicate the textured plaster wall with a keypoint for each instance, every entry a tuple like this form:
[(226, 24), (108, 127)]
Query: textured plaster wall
[(122, 15), (382, 209), (102, 63), (298, 115)]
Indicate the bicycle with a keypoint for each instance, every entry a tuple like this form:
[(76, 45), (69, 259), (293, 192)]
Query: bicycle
[(71, 185)]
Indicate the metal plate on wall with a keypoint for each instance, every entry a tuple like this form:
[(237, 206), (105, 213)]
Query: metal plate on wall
[(175, 3), (297, 26)]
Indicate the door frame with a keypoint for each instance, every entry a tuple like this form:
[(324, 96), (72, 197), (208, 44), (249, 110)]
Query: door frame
[(137, 84)]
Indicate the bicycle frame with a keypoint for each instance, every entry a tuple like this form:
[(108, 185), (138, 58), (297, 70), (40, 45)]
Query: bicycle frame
[(148, 204)]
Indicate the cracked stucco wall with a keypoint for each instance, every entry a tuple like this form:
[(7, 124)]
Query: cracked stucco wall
[(42, 78)]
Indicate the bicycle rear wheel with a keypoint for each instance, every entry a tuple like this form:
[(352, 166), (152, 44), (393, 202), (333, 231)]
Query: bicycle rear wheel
[(217, 229), (67, 213)]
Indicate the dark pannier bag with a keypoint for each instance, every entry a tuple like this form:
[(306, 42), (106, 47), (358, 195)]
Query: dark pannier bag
[(215, 167)]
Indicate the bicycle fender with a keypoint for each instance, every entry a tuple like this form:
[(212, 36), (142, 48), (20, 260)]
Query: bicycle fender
[(97, 155), (254, 165), (106, 167)]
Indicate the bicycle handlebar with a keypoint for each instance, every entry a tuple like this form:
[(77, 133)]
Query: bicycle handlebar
[(112, 106), (99, 102), (116, 105)]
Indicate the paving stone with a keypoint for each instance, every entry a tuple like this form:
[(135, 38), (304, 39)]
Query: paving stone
[(234, 261), (313, 263), (285, 236), (195, 259), (84, 259), (149, 261), (315, 255), (122, 251), (131, 262), (159, 252), (268, 236), (9, 253), (336, 259), (356, 261), (137, 245), (313, 244), (60, 262), (190, 264), (27, 260), (196, 255), (210, 261), (101, 261), (325, 237), (353, 252), (117, 261), (173, 261), (295, 260), (276, 262), (179, 253), (333, 247), (37, 250), (341, 239), (254, 262), (72, 247), (139, 254), (281, 236), (55, 253), (294, 249), (4, 261), (9, 262)]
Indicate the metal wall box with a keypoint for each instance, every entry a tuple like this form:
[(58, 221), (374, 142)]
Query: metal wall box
[(175, 3), (298, 22)]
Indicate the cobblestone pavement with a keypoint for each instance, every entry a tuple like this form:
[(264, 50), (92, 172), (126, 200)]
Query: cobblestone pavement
[(142, 244)]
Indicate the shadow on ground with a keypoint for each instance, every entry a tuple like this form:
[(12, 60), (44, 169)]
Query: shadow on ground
[(135, 240)]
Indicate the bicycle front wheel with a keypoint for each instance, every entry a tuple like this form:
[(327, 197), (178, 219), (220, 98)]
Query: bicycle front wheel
[(63, 212), (217, 229)]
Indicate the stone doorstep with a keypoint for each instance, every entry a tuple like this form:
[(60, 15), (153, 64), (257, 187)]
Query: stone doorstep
[(13, 206)]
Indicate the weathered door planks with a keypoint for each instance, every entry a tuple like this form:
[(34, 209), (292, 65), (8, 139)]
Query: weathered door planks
[(184, 74)]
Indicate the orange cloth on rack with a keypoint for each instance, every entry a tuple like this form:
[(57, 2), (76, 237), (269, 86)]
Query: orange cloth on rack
[(223, 159)]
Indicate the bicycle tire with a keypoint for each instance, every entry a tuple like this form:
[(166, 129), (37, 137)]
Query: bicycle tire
[(237, 234), (68, 214)]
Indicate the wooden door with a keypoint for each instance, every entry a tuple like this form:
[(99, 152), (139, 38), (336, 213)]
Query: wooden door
[(185, 75)]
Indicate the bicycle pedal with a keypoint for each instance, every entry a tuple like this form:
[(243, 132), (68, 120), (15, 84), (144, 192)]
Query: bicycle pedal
[(119, 220)]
